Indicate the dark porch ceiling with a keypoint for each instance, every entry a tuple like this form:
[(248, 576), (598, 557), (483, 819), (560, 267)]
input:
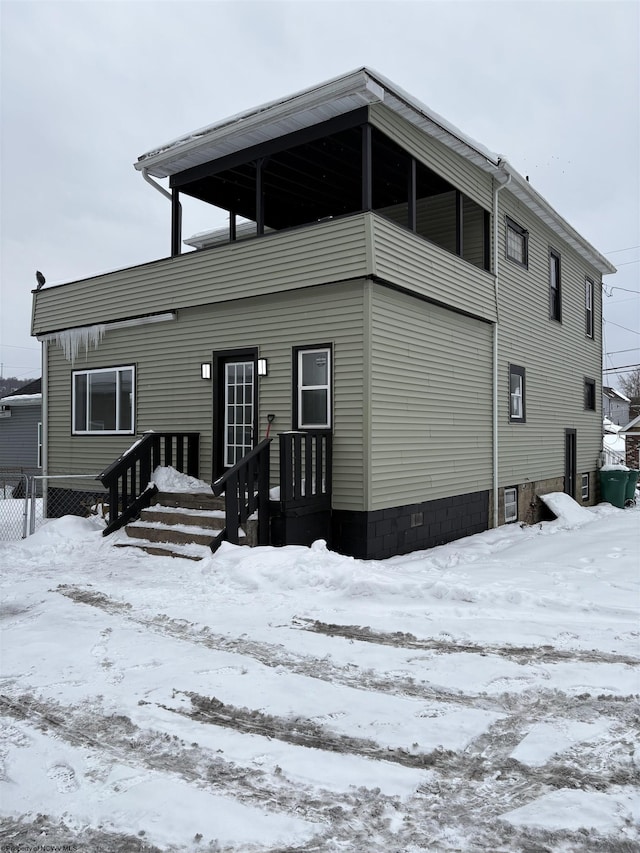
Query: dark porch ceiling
[(312, 180)]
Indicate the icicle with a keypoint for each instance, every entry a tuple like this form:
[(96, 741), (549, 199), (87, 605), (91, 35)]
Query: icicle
[(72, 339)]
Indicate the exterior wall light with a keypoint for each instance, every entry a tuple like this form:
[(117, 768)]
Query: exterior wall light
[(262, 367), (205, 370)]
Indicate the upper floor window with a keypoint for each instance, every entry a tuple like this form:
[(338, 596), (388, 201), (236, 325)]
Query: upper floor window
[(103, 401), (517, 243), (313, 384), (588, 307), (590, 394), (555, 308), (517, 409)]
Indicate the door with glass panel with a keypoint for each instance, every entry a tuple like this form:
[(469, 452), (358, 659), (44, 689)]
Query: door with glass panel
[(235, 409), (238, 410)]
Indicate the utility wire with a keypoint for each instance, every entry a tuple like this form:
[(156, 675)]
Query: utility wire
[(615, 251)]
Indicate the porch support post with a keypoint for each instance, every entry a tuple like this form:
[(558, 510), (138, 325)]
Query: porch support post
[(367, 168), (176, 223), (232, 226), (487, 241), (411, 196), (259, 197), (459, 223)]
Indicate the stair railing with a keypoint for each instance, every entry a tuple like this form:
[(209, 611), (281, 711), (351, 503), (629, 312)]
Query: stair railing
[(246, 490), (128, 478)]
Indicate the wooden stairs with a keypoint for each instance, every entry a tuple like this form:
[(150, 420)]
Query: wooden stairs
[(181, 524)]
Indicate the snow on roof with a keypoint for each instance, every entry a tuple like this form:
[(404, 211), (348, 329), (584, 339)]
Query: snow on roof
[(611, 392), (336, 97), (21, 400)]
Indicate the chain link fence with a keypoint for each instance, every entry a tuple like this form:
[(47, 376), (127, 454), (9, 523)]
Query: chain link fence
[(28, 500), (14, 488)]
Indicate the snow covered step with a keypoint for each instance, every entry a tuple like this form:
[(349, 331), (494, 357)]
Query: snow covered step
[(208, 519), (189, 500), (165, 549), (179, 534)]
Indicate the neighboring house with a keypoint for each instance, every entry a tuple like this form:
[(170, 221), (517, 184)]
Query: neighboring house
[(21, 428), (615, 406), (631, 434), (405, 291), (613, 443)]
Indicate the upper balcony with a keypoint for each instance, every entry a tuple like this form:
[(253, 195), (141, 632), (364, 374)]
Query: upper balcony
[(349, 247)]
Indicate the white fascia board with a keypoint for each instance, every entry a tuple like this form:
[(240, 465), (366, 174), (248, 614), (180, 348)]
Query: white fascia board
[(116, 324), (269, 121)]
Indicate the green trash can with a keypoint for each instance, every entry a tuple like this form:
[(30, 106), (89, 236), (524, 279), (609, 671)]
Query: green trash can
[(613, 487), (630, 491)]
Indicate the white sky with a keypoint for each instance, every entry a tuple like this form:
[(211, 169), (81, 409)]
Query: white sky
[(87, 87)]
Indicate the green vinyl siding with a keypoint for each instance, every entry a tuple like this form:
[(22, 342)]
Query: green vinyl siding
[(430, 431), (172, 396), (556, 356), (404, 259), (446, 163), (323, 252)]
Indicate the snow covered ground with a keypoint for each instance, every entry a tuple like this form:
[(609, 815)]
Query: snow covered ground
[(480, 696)]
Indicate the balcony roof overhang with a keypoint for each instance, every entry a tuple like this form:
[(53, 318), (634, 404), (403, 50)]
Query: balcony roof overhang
[(330, 100)]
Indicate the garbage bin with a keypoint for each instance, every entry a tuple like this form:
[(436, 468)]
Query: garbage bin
[(630, 491), (613, 486)]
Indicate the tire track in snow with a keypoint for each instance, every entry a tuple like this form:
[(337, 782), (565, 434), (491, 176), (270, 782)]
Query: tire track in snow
[(276, 655), (519, 654)]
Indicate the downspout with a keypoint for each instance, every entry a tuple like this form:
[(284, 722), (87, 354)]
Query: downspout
[(167, 194), (496, 270)]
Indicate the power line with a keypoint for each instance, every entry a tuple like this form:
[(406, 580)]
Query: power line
[(618, 326), (622, 367), (615, 251)]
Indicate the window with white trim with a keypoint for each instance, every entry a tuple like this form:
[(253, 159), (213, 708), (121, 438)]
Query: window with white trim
[(585, 487), (588, 307), (517, 243), (510, 505), (517, 409), (314, 388), (103, 401)]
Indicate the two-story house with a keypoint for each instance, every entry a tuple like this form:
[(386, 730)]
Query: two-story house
[(398, 287)]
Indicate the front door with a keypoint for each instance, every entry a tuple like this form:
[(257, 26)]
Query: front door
[(570, 462), (235, 409)]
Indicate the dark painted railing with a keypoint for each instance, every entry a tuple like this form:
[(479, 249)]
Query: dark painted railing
[(127, 479), (305, 470), (246, 489)]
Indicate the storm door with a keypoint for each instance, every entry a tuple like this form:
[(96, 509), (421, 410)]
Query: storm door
[(235, 413)]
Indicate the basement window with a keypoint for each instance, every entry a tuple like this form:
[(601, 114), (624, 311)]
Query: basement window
[(510, 505), (103, 401), (585, 487)]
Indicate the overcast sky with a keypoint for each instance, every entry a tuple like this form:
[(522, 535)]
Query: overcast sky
[(87, 87)]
